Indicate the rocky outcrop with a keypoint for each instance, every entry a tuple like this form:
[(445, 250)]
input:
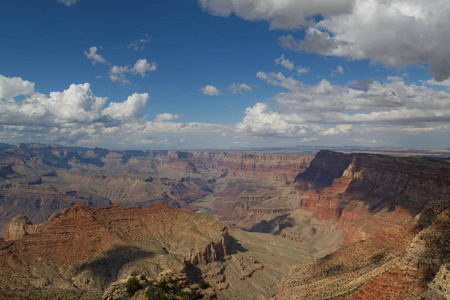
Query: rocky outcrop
[(83, 249), (17, 228)]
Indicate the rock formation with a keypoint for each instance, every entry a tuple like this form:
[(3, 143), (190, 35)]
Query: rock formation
[(82, 249), (394, 213)]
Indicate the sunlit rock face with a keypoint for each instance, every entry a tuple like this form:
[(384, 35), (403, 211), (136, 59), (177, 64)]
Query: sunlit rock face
[(394, 213), (82, 249)]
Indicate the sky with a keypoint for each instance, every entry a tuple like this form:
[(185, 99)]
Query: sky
[(221, 74)]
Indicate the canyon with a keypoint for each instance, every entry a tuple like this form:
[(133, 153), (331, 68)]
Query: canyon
[(254, 225)]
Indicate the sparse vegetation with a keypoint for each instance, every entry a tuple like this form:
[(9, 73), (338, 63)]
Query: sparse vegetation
[(165, 288), (133, 286), (203, 284)]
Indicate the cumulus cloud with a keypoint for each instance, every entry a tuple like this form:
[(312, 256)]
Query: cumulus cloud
[(260, 120), (129, 109), (94, 56), (117, 73), (284, 62), (372, 98), (166, 117), (363, 110), (339, 129), (289, 14), (210, 90), (15, 86), (68, 2), (394, 33), (142, 66), (239, 88), (71, 107), (76, 115)]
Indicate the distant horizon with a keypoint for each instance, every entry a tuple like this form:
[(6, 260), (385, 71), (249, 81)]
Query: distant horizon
[(442, 152)]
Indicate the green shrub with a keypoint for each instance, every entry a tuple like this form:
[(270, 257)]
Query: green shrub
[(156, 293), (194, 294), (133, 286), (203, 284)]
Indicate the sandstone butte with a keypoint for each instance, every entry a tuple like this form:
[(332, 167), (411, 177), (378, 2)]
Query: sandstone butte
[(341, 226)]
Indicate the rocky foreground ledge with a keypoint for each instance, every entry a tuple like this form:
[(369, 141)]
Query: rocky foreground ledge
[(79, 251)]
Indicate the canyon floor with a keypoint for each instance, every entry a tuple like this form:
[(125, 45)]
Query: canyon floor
[(76, 223)]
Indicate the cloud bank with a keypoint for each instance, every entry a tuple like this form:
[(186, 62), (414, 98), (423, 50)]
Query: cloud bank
[(77, 116), (363, 110), (394, 33)]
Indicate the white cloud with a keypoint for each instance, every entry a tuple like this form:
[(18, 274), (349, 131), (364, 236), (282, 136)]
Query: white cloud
[(210, 90), (68, 2), (94, 56), (129, 109), (77, 104), (339, 129), (285, 62), (260, 120), (239, 88), (117, 73), (433, 82), (364, 110), (290, 65), (338, 70), (142, 66), (393, 33), (15, 86), (76, 115), (166, 117), (301, 71), (287, 14)]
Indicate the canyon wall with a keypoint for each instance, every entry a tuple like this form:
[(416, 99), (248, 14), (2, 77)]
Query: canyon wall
[(37, 180), (394, 215), (248, 165)]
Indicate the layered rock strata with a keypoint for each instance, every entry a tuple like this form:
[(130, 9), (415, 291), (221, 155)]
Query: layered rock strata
[(82, 249)]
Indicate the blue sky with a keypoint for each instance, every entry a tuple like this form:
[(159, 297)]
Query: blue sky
[(225, 73)]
